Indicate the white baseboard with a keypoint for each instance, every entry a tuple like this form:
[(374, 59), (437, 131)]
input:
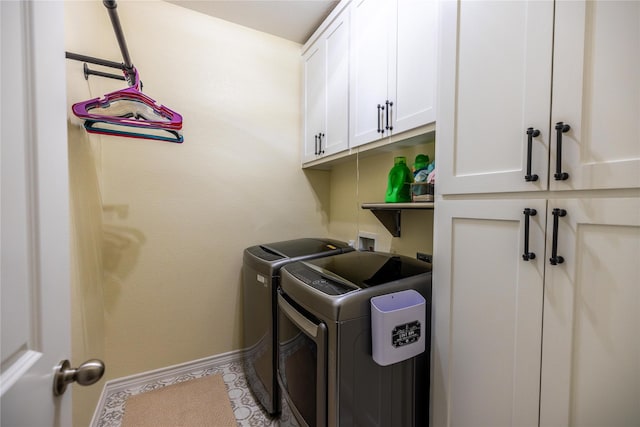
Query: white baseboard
[(141, 379)]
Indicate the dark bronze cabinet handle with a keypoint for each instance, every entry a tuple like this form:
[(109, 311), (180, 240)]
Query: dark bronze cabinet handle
[(380, 109), (389, 105), (528, 212), (560, 129), (531, 133), (315, 137), (320, 150), (555, 258)]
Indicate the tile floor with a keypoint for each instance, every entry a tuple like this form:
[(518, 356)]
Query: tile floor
[(247, 411)]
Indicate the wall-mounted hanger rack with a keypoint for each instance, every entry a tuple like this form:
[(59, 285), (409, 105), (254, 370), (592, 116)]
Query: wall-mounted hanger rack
[(105, 63), (117, 28), (127, 112)]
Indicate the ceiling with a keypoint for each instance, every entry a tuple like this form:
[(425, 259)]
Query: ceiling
[(294, 20)]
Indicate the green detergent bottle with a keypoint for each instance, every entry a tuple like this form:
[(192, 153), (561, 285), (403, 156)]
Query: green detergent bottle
[(399, 184)]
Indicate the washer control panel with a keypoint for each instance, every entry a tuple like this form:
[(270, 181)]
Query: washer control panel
[(317, 280)]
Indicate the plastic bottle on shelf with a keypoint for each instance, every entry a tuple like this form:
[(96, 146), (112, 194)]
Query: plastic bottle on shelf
[(399, 182)]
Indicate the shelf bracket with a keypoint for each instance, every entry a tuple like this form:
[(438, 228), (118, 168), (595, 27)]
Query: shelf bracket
[(390, 214), (390, 218)]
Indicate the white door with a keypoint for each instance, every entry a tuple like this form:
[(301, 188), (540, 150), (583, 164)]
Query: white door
[(412, 73), (596, 90), (487, 313), (35, 219), (494, 84), (336, 43), (326, 94), (591, 346), (368, 83), (314, 99)]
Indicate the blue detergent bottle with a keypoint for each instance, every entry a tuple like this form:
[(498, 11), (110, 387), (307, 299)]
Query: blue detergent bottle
[(399, 182)]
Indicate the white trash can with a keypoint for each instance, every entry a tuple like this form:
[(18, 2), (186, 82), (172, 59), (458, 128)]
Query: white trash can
[(397, 326)]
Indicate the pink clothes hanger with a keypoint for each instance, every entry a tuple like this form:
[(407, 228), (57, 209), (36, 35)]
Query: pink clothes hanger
[(156, 134), (129, 107)]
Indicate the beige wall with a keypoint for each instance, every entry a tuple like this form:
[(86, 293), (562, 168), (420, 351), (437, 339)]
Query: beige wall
[(363, 179), (159, 228), (87, 297), (87, 285), (159, 282)]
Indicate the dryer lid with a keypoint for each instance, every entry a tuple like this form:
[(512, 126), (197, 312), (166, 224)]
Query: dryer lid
[(365, 269)]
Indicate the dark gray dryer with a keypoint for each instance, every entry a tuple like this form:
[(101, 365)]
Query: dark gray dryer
[(260, 277)]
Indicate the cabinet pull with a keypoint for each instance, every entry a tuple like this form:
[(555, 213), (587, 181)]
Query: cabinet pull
[(528, 212), (320, 136), (315, 137), (560, 129), (555, 258), (389, 105), (531, 133), (380, 110)]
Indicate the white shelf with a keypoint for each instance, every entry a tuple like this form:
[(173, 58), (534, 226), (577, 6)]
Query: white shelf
[(421, 135), (396, 206)]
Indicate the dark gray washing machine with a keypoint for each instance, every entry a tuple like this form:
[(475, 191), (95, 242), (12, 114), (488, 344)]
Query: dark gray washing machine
[(260, 277), (326, 370)]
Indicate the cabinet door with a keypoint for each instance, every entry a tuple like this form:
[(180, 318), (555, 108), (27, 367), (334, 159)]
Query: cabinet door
[(368, 83), (591, 346), (336, 43), (412, 64), (596, 90), (487, 313), (494, 83), (314, 99)]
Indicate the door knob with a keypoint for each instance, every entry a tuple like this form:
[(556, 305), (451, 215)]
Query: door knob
[(88, 373)]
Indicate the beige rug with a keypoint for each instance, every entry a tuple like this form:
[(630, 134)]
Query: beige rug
[(202, 402)]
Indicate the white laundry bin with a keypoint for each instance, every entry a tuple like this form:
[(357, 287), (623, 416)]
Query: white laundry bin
[(397, 326)]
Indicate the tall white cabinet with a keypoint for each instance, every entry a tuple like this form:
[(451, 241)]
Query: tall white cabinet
[(537, 261)]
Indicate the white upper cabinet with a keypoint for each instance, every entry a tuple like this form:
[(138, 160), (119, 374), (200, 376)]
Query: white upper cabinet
[(315, 101), (495, 85), (498, 84), (369, 72), (393, 67), (412, 78), (326, 83)]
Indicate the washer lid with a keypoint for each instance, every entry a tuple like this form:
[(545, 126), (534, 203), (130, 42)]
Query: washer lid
[(307, 246)]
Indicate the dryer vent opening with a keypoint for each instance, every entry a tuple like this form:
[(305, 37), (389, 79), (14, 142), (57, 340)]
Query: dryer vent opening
[(367, 242)]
